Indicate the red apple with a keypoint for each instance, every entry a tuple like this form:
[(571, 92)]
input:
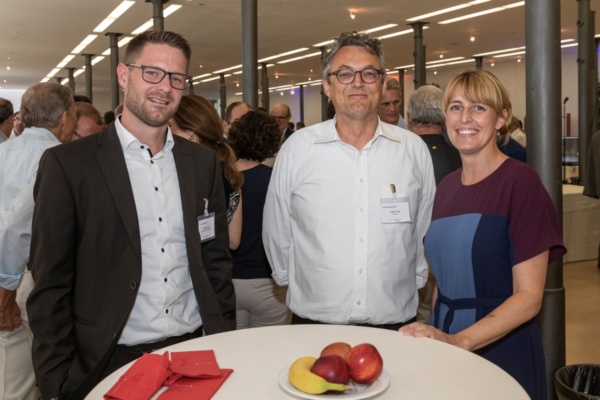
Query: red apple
[(339, 348), (332, 368), (365, 363)]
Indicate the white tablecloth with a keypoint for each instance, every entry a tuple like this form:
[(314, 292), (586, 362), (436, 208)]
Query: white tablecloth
[(420, 369), (581, 224)]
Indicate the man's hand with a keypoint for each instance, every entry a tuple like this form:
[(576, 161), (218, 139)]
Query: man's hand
[(10, 313)]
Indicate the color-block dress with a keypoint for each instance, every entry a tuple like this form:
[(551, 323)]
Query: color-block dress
[(477, 234)]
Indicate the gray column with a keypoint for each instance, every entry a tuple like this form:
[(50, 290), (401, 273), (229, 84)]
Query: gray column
[(479, 62), (543, 92), (324, 98), (249, 52), (401, 81), (58, 79), (585, 38), (419, 54), (190, 86), (264, 86), (70, 71), (222, 94), (301, 90), (157, 14), (114, 61), (88, 76)]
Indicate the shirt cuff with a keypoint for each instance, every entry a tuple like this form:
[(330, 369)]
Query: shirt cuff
[(10, 282)]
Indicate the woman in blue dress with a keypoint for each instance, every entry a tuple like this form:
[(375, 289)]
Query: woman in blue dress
[(494, 230)]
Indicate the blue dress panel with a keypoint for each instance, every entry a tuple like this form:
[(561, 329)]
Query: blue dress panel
[(477, 234)]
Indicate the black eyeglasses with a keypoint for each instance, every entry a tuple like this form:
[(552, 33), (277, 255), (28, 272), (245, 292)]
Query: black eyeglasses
[(156, 75), (345, 76)]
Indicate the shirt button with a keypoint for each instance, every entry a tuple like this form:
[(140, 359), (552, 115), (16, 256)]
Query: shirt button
[(132, 284), (167, 311), (159, 219), (360, 240), (142, 147), (362, 209), (165, 279), (361, 180), (360, 271), (151, 162), (162, 249), (358, 302), (156, 189)]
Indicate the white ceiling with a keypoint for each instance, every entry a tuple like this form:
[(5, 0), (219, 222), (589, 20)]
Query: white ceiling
[(35, 35)]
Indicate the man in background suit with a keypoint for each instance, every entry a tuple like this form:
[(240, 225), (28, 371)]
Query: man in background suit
[(119, 218)]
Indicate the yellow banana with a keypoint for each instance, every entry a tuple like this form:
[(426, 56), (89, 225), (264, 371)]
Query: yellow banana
[(304, 380)]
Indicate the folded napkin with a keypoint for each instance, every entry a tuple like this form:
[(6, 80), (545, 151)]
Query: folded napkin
[(195, 364), (197, 389), (142, 379)]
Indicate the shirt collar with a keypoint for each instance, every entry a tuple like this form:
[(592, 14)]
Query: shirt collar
[(34, 130), (331, 134), (128, 140)]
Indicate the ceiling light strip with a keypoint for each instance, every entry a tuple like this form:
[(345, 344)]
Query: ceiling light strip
[(114, 15), (447, 10), (287, 53), (484, 12)]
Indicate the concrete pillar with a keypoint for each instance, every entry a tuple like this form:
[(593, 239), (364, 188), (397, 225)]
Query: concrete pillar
[(222, 94), (585, 38), (479, 62), (419, 54), (88, 76), (249, 52), (158, 19), (324, 98), (264, 85), (543, 102), (70, 71), (114, 61), (301, 90), (401, 81)]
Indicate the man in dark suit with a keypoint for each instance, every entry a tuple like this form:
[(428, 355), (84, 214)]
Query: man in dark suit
[(282, 114), (130, 247)]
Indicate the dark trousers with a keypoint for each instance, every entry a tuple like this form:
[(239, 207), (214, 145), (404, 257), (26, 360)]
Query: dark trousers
[(298, 320), (125, 354)]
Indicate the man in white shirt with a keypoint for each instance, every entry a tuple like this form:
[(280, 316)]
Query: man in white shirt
[(349, 203), (50, 113), (129, 250), (391, 101)]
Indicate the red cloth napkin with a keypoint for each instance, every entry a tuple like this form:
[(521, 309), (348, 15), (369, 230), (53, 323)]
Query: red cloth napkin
[(197, 389), (142, 380), (195, 364)]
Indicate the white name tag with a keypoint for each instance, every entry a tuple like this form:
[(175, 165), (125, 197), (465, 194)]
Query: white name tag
[(395, 210), (206, 226)]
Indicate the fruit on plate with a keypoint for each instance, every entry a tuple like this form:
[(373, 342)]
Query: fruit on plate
[(365, 363), (332, 368), (339, 348), (303, 379)]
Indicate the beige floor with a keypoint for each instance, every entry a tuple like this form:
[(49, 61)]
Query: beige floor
[(582, 293)]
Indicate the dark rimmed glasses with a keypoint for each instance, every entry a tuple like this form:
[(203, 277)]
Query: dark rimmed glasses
[(346, 76), (156, 75)]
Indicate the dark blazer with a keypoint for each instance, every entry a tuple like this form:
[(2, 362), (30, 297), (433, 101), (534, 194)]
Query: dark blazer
[(86, 253)]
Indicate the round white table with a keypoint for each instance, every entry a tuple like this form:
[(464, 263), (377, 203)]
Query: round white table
[(419, 369)]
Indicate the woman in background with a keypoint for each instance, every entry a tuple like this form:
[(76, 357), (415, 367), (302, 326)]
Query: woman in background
[(197, 120), (493, 231), (260, 301)]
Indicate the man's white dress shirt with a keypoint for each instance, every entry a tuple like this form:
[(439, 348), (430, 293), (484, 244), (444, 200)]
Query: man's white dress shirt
[(165, 305), (323, 228)]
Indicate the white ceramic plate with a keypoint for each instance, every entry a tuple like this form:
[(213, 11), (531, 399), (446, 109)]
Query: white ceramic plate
[(358, 392)]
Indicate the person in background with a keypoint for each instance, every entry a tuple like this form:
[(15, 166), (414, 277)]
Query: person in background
[(19, 127), (493, 231), (515, 129), (50, 114), (129, 251), (259, 300), (6, 119), (425, 118), (300, 125), (349, 203), (196, 119), (89, 120), (233, 112), (109, 117), (281, 112), (391, 101)]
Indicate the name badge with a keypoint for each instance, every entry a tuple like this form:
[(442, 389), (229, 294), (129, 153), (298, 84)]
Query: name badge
[(395, 210), (206, 226)]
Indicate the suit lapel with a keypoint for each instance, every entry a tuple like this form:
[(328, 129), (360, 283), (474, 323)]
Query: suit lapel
[(112, 164), (187, 186)]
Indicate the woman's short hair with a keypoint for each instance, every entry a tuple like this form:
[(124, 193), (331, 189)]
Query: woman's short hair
[(255, 136), (482, 87)]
